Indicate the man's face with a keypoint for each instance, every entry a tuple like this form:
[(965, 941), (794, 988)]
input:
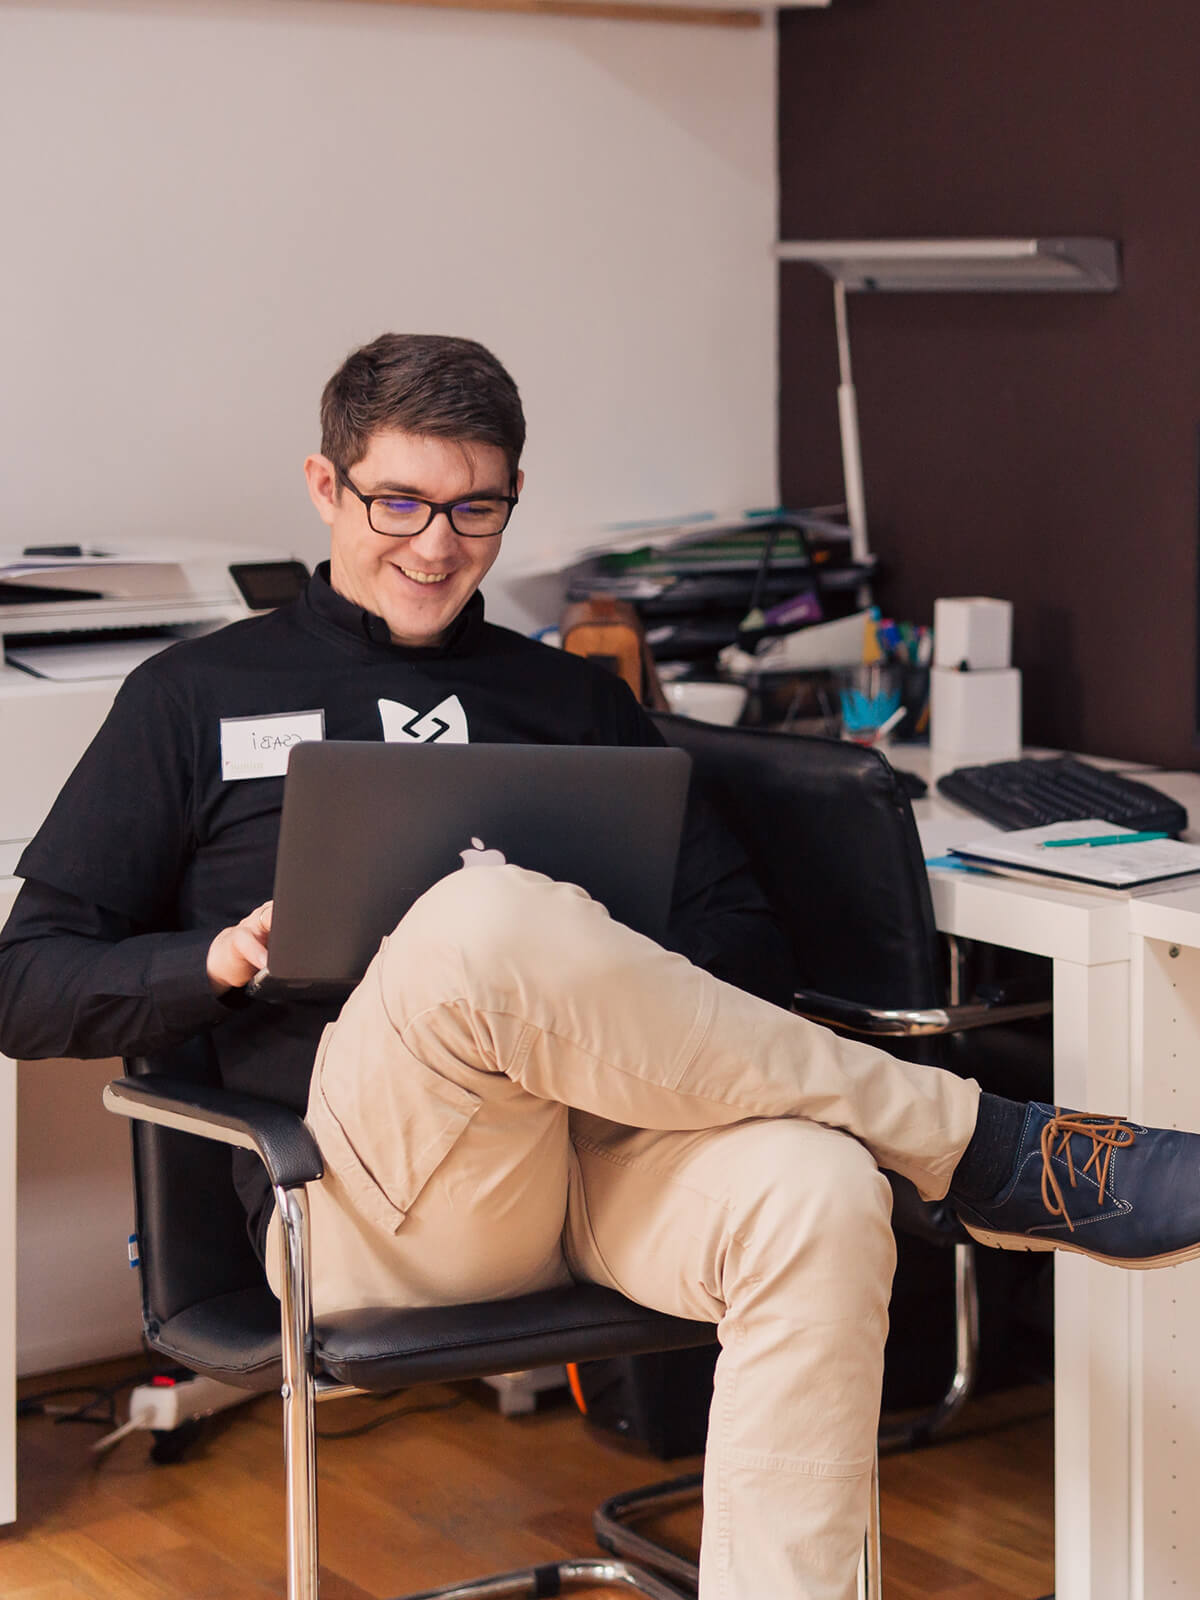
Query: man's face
[(420, 584)]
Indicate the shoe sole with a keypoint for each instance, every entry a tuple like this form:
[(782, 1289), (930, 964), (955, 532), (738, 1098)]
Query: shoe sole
[(1024, 1241)]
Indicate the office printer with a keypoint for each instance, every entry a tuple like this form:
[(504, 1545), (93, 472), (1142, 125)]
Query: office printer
[(73, 623)]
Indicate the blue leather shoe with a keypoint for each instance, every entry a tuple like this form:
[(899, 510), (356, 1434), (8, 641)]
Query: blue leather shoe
[(1101, 1186)]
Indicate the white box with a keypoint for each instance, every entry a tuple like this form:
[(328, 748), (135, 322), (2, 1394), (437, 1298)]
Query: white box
[(975, 630), (976, 714)]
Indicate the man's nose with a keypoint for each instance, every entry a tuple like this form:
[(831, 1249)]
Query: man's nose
[(437, 541)]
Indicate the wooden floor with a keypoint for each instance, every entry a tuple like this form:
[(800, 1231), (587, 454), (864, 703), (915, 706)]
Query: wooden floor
[(456, 1491)]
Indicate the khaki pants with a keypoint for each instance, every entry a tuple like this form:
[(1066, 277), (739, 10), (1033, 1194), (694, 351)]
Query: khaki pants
[(521, 1092)]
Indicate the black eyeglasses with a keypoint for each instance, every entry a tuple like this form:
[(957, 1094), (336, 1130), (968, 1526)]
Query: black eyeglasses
[(402, 516)]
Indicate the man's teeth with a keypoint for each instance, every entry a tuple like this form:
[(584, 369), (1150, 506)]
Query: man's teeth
[(425, 577)]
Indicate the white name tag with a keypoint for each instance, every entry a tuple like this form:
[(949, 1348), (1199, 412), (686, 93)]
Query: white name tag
[(258, 747)]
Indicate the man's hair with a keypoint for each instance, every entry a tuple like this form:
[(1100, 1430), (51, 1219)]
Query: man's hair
[(421, 383)]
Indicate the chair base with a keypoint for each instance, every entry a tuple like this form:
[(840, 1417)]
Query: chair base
[(610, 1522), (557, 1578)]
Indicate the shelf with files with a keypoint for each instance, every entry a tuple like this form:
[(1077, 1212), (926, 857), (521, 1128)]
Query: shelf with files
[(696, 587)]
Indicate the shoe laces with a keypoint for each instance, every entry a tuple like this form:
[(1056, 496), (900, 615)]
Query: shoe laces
[(1106, 1133)]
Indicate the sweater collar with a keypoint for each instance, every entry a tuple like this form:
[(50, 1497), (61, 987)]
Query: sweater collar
[(323, 602)]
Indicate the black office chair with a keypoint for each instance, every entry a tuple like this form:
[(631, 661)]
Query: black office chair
[(829, 832), (206, 1305), (830, 835)]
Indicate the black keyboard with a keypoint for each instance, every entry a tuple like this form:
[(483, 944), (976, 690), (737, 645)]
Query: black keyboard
[(1033, 792)]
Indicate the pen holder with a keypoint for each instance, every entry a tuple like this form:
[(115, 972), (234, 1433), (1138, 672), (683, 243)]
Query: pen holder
[(869, 695)]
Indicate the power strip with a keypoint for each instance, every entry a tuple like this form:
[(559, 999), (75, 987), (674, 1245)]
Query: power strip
[(166, 1402)]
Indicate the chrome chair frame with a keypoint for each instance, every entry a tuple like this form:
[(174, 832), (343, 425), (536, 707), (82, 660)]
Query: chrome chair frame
[(284, 1144), (875, 1022), (613, 1523), (152, 1100)]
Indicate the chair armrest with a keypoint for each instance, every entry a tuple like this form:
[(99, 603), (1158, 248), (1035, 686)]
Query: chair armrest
[(278, 1136), (909, 1024)]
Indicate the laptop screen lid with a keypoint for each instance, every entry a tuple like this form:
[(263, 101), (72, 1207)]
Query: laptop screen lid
[(367, 827)]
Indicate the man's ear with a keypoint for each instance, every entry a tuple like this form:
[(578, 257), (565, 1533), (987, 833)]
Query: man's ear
[(324, 487), (519, 480)]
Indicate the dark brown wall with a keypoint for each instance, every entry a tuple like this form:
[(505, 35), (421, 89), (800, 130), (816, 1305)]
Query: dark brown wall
[(1042, 448)]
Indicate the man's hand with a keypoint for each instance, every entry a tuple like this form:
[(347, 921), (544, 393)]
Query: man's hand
[(237, 953)]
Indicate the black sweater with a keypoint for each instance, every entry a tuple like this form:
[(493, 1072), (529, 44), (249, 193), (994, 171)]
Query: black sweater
[(148, 853)]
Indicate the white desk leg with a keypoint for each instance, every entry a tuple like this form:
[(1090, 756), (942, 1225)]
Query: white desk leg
[(8, 1298), (1092, 1311), (1165, 1416)]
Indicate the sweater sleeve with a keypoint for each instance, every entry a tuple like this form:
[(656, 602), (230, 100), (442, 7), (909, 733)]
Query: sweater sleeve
[(92, 962), (77, 980), (121, 832)]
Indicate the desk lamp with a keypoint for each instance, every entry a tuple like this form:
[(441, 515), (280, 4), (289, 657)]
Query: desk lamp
[(938, 266)]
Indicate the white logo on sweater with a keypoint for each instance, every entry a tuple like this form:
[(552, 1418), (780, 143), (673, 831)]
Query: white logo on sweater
[(446, 722)]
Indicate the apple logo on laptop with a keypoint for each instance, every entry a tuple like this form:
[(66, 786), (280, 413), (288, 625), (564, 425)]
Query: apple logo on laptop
[(479, 857)]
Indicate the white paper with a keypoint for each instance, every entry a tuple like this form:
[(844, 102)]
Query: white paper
[(258, 747), (75, 663), (823, 645), (1114, 865), (21, 565), (112, 575)]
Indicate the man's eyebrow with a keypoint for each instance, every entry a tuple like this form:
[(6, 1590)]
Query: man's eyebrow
[(419, 494)]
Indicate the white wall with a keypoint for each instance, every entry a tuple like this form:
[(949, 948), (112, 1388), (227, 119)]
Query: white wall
[(210, 201), (207, 203)]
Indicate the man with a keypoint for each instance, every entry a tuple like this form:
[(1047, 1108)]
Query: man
[(521, 1091)]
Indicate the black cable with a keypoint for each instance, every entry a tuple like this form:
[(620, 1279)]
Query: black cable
[(759, 589), (391, 1416), (35, 1404)]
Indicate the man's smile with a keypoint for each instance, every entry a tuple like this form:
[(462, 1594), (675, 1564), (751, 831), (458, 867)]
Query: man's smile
[(422, 577)]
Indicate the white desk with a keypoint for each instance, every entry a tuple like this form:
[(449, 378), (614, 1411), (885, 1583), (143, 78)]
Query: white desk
[(1127, 1387), (8, 1262), (1127, 1041), (68, 1176)]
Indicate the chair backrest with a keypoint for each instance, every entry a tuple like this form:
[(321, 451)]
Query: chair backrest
[(191, 1226), (831, 839)]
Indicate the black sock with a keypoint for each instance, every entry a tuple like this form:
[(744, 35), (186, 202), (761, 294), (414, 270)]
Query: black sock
[(988, 1160)]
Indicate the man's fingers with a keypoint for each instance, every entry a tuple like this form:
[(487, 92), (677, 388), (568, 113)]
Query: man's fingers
[(237, 953), (248, 945)]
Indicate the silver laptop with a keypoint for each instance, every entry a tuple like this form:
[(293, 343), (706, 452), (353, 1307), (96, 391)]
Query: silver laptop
[(367, 828)]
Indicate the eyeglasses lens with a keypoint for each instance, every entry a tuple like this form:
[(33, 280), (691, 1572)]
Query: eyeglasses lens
[(473, 519)]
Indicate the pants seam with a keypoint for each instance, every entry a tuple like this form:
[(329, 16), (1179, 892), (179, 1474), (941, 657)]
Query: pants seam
[(529, 1031), (671, 1086), (654, 1170), (804, 1468), (725, 1563), (698, 1032)]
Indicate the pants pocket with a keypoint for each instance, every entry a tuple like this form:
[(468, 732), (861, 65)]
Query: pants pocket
[(383, 1137)]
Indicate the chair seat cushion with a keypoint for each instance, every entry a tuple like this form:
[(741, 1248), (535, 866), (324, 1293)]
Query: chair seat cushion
[(382, 1348), (232, 1337), (235, 1337)]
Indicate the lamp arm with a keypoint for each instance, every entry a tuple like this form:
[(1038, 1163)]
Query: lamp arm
[(852, 473)]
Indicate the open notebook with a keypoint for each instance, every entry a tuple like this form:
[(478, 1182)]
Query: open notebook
[(1130, 868)]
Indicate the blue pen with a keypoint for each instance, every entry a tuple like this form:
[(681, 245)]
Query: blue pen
[(1103, 838)]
